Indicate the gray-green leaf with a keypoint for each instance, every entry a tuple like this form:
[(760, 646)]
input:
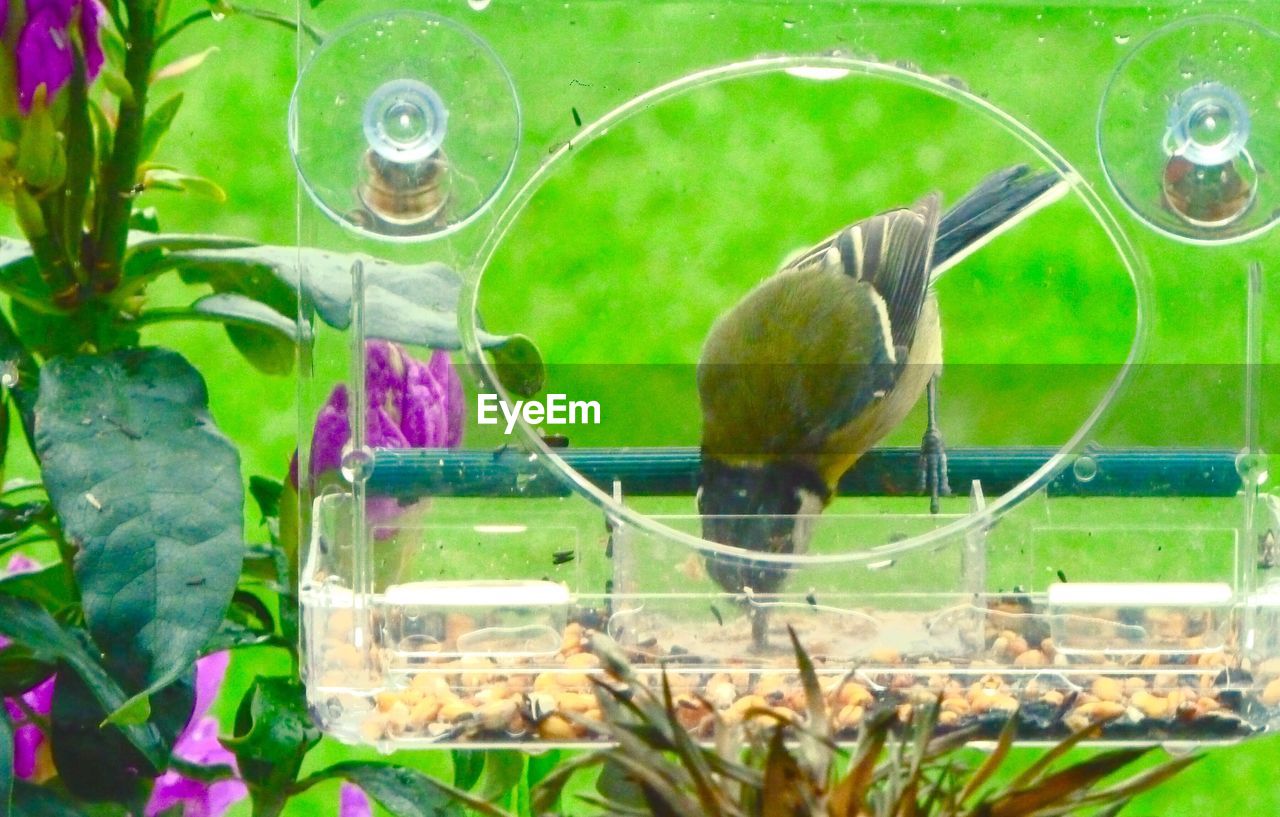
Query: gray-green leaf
[(266, 338), (30, 625), (30, 800), (405, 792), (149, 490)]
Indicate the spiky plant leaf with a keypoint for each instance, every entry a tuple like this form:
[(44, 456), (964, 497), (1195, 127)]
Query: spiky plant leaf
[(850, 793), (1046, 760), (1060, 787), (784, 781), (993, 761)]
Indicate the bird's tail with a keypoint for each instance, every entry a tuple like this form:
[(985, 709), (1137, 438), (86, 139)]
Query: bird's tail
[(1003, 200)]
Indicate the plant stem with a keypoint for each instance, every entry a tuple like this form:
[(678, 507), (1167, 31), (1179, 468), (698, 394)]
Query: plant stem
[(115, 198), (290, 23)]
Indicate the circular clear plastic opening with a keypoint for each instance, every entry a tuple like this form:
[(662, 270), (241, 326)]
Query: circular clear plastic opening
[(684, 255)]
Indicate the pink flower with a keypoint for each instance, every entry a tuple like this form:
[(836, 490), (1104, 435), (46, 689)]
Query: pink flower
[(411, 404), (199, 744), (45, 53), (31, 757), (354, 802)]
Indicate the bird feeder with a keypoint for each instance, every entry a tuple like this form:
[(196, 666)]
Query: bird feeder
[(563, 197)]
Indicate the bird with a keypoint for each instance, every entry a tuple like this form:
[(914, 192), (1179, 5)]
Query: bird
[(821, 360)]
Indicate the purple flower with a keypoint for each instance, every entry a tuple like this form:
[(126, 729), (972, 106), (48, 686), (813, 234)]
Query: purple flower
[(31, 758), (411, 404), (199, 744), (45, 48), (354, 802)]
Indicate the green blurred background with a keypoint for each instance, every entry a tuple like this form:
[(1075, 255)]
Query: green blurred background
[(639, 239)]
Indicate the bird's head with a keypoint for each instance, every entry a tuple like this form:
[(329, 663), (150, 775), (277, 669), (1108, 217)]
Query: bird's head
[(767, 508)]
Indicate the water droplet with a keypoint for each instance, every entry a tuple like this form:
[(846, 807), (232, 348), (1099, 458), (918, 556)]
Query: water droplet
[(1122, 39), (1085, 468), (1253, 467), (8, 374), (357, 465), (478, 5), (788, 23), (340, 100), (1040, 39), (215, 14)]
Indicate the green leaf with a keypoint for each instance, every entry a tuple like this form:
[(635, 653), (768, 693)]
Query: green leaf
[(20, 671), (30, 625), (405, 792), (163, 178), (41, 160), (134, 711), (30, 800), (519, 366), (102, 132), (503, 771), (118, 85), (6, 764), (616, 786), (27, 211), (468, 764), (94, 758), (184, 64), (233, 635), (14, 519), (266, 338), (273, 733), (157, 125), (50, 587), (145, 219), (413, 304), (149, 491), (266, 492)]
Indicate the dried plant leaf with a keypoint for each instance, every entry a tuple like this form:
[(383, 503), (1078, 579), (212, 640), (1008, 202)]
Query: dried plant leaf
[(714, 804), (849, 795), (1144, 781), (783, 794), (1033, 771), (815, 702), (1058, 787), (993, 761)]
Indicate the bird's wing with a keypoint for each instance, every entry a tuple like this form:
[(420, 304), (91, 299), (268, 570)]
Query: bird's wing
[(892, 251)]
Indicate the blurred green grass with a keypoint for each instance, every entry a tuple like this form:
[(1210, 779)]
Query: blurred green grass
[(645, 223)]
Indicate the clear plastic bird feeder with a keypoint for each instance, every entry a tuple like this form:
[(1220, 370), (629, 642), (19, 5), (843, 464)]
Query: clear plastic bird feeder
[(564, 198)]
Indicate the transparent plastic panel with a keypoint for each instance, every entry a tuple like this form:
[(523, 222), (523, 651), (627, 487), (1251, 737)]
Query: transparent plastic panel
[(550, 207)]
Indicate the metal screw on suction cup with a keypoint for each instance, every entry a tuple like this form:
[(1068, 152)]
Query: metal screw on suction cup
[(404, 174), (1209, 179)]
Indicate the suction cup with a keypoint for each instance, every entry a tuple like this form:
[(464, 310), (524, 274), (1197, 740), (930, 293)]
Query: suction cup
[(1186, 123), (404, 127)]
